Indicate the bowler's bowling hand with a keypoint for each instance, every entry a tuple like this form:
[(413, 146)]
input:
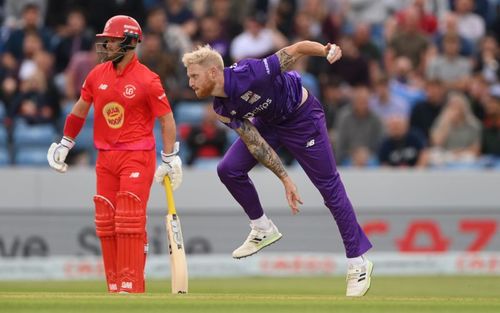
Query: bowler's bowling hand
[(292, 195), (332, 53)]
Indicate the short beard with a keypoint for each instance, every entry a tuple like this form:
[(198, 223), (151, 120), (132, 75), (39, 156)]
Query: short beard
[(206, 90)]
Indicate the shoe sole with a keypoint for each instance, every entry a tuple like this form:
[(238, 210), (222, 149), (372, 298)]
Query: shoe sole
[(267, 245), (369, 280)]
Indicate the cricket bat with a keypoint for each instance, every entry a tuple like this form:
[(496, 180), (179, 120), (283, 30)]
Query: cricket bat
[(178, 263)]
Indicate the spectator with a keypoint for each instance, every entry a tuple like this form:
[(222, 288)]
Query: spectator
[(456, 134), (406, 83), (211, 33), (425, 112), (153, 56), (470, 25), (363, 41), (333, 99), (408, 42), (449, 25), (451, 68), (487, 61), (74, 38), (427, 21), (401, 147), (359, 131), (207, 140), (179, 13), (491, 125), (38, 100), (30, 24), (14, 9), (384, 103), (257, 40), (352, 68), (79, 66)]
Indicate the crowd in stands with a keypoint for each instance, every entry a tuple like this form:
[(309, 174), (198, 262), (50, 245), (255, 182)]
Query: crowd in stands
[(418, 84)]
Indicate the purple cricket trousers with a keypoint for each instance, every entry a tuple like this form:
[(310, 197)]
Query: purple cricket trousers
[(305, 135)]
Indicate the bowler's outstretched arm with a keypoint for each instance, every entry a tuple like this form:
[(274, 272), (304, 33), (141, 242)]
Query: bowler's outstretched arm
[(290, 54)]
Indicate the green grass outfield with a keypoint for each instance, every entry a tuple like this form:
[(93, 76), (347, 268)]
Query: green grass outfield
[(261, 295)]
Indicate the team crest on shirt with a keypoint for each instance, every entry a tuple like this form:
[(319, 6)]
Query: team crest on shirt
[(129, 91), (114, 114)]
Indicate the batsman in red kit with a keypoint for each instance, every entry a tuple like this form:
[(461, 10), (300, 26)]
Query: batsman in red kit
[(127, 97)]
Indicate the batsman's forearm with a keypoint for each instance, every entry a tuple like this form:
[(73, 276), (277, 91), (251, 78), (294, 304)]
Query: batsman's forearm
[(168, 132)]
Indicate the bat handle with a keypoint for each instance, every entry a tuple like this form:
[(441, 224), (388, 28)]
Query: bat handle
[(170, 195)]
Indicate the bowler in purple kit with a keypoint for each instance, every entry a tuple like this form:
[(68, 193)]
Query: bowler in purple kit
[(267, 106)]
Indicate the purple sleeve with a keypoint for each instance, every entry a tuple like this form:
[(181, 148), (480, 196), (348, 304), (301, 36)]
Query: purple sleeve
[(269, 66), (222, 115)]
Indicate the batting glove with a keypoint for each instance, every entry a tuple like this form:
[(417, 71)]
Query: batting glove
[(171, 165), (58, 152)]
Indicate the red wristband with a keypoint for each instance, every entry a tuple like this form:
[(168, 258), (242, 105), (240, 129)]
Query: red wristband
[(73, 126)]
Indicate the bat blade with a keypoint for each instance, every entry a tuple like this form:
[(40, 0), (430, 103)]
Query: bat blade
[(178, 262)]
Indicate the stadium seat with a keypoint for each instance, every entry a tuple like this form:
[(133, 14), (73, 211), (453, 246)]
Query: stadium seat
[(2, 111), (4, 156), (190, 112), (31, 156), (3, 136), (33, 135)]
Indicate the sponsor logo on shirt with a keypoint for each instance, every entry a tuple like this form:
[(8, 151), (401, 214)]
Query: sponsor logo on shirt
[(114, 114), (268, 71), (163, 95), (129, 91), (134, 175), (258, 109), (250, 97), (103, 86)]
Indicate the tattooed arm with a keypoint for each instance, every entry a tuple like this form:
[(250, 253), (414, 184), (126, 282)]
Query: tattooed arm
[(260, 149), (266, 155), (289, 55)]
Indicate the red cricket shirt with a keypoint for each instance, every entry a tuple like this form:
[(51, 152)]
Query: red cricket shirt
[(125, 105)]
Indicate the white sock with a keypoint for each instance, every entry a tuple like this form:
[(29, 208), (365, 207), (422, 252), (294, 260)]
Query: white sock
[(261, 223), (357, 261)]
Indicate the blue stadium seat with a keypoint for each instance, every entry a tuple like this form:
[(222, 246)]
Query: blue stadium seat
[(33, 135), (4, 157), (2, 111), (32, 156), (190, 112), (85, 139), (3, 136)]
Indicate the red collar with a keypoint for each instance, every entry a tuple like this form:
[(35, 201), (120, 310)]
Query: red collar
[(128, 67)]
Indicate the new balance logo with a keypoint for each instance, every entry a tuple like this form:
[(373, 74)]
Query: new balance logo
[(310, 143), (103, 86), (134, 175)]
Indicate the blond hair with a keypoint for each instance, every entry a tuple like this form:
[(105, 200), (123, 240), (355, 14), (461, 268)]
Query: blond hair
[(205, 56)]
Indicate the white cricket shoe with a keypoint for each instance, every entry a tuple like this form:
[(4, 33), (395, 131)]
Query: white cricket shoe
[(359, 279), (256, 240)]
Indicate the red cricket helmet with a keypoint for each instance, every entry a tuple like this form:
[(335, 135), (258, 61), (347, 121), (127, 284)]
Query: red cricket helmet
[(122, 26)]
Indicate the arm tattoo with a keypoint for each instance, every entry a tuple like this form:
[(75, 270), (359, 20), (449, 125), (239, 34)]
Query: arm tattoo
[(260, 149), (286, 60)]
